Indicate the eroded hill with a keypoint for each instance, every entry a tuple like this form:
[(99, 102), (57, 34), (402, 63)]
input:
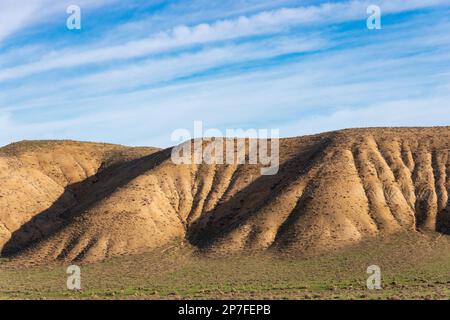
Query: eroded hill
[(87, 202)]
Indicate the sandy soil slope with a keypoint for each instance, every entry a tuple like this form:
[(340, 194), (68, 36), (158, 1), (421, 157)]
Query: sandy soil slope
[(86, 202)]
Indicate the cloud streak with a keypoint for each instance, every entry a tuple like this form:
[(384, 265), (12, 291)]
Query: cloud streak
[(301, 69), (182, 36)]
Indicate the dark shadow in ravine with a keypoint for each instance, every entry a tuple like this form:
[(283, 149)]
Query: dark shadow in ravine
[(78, 198), (443, 215), (230, 215), (443, 219)]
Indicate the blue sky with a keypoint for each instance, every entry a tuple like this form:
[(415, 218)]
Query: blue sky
[(138, 70)]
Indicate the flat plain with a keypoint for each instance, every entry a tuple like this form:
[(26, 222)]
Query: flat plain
[(412, 267)]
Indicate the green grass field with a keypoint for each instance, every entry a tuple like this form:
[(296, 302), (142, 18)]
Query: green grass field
[(413, 267)]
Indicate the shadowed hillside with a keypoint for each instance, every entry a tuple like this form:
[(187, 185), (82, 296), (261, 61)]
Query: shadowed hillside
[(86, 202)]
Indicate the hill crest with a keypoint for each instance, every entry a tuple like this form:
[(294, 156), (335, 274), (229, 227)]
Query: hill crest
[(67, 200)]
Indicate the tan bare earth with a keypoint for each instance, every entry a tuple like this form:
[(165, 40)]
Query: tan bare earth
[(74, 201)]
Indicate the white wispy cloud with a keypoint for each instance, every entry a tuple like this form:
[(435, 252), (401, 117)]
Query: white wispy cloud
[(155, 70), (13, 17), (181, 36), (396, 76), (16, 16), (397, 113), (403, 62)]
